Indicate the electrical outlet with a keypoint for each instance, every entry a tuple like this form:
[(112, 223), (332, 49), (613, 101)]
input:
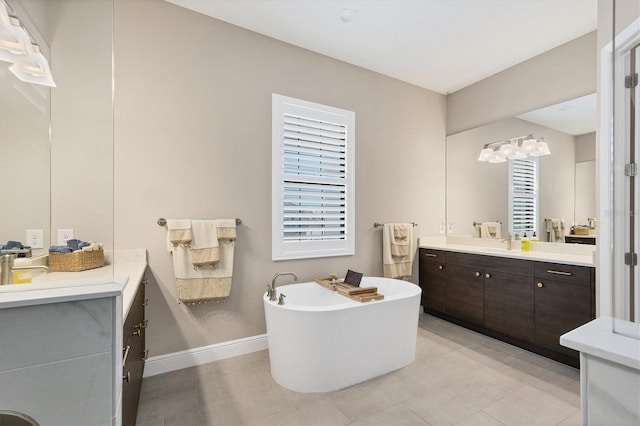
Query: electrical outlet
[(35, 238), (450, 228), (442, 228), (64, 235)]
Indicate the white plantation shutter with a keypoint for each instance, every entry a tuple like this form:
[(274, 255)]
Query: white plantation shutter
[(312, 194), (524, 196)]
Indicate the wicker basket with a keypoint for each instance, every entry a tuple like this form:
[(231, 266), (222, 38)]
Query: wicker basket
[(76, 261), (580, 230)]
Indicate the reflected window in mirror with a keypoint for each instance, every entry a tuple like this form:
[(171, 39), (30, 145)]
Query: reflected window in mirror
[(523, 197)]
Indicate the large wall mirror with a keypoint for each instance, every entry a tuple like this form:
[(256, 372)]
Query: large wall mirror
[(479, 191), (25, 146), (57, 144)]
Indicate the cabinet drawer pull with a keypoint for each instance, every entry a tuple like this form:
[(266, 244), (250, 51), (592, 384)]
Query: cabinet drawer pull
[(126, 355), (127, 378), (145, 355), (429, 255), (144, 323), (551, 271), (440, 267), (137, 331), (144, 281), (540, 285), (477, 274), (145, 302), (487, 275)]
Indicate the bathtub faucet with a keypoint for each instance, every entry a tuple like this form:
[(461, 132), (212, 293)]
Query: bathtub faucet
[(271, 290)]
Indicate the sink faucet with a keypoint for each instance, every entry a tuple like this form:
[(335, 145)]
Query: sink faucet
[(508, 240), (6, 273), (271, 290)]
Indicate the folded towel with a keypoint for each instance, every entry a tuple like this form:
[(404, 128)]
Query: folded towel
[(555, 229), (179, 233), (60, 249), (400, 246), (226, 229), (400, 230), (213, 282), (13, 245), (205, 252), (490, 230), (400, 264)]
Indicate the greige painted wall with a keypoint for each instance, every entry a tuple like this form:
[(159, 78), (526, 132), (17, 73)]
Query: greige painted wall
[(586, 147), (563, 73), (81, 117), (193, 140), (479, 191)]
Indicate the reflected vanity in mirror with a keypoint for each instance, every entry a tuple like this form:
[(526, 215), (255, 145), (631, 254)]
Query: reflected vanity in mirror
[(480, 192)]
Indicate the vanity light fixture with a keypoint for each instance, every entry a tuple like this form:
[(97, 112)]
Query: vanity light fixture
[(36, 70), (520, 147), (16, 46)]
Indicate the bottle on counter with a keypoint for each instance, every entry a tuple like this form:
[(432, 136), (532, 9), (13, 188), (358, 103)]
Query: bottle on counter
[(524, 243)]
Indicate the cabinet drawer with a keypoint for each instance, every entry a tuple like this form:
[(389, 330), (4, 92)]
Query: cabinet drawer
[(433, 255), (492, 263), (563, 273)]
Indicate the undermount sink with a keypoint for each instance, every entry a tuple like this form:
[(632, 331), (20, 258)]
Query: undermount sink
[(495, 250)]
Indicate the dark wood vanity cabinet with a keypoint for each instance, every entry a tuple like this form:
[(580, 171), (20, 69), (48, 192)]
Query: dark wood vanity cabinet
[(526, 303), (564, 296), (509, 305), (432, 270), (133, 356), (465, 292)]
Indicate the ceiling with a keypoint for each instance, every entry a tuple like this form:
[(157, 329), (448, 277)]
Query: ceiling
[(441, 45), (575, 117)]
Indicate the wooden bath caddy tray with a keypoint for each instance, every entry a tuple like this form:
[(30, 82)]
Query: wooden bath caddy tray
[(359, 294)]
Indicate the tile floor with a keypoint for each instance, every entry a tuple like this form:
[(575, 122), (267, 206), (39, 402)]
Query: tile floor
[(459, 377)]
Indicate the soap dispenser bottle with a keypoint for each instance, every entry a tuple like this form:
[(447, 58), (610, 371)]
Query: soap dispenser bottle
[(524, 244)]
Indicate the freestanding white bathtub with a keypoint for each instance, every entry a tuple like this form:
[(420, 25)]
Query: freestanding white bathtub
[(321, 341)]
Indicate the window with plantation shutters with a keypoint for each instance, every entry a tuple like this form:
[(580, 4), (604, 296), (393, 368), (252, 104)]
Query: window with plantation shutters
[(312, 180), (523, 197)]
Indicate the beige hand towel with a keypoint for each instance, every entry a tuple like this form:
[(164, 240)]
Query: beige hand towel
[(205, 284), (179, 233), (205, 251), (397, 266), (226, 229), (490, 230)]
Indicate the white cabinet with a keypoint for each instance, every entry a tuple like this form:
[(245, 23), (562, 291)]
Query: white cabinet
[(57, 361)]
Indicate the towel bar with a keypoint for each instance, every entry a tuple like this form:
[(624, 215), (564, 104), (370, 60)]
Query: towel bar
[(378, 224), (162, 221), (480, 223)]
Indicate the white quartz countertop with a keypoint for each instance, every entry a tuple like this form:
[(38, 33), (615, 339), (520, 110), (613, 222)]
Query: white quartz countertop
[(598, 339), (568, 254), (121, 277)]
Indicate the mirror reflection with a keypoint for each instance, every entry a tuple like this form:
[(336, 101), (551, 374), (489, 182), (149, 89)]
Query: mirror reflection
[(24, 130), (485, 199)]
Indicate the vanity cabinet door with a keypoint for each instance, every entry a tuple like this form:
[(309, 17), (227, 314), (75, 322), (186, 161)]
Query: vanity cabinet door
[(134, 355), (433, 280), (509, 305), (564, 300), (465, 293)]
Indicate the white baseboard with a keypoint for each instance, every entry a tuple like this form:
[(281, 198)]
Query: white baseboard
[(203, 355)]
